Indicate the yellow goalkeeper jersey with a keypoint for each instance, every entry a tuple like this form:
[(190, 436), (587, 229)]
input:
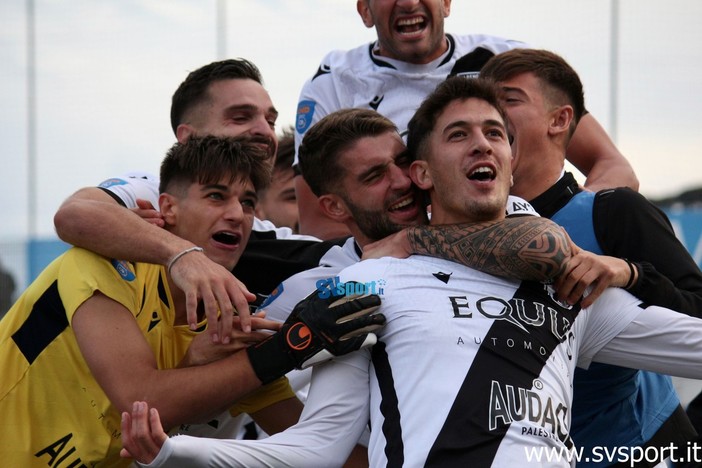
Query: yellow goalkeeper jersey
[(52, 411)]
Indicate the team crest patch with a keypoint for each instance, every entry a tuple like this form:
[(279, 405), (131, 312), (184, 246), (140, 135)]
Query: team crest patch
[(112, 182), (305, 112), (273, 296), (123, 269)]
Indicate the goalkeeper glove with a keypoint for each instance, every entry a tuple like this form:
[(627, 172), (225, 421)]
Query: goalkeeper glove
[(316, 330)]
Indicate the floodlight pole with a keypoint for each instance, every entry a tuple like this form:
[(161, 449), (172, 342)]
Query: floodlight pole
[(614, 70), (31, 125), (221, 29)]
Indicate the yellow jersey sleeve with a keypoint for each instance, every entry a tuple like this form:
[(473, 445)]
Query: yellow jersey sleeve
[(83, 272), (273, 392)]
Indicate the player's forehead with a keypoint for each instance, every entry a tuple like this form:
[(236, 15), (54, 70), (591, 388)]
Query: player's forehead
[(468, 112), (240, 92), (373, 150), (232, 183)]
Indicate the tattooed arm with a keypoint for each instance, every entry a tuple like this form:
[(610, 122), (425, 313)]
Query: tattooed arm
[(525, 247)]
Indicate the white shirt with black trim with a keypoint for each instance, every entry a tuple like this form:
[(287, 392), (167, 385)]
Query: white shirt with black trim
[(470, 370), (359, 78)]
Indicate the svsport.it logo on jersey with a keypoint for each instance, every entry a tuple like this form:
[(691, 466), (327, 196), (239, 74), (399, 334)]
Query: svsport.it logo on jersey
[(336, 288)]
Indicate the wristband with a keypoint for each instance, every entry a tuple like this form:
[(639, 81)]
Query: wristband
[(632, 275), (178, 255), (270, 359)]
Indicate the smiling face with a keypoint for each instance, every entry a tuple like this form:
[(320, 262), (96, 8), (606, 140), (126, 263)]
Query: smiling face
[(467, 170), (217, 217), (408, 30), (234, 107), (376, 193)]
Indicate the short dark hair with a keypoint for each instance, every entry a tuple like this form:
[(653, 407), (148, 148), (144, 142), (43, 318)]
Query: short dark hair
[(206, 160), (455, 88), (284, 157), (193, 90), (286, 150), (327, 139), (560, 82)]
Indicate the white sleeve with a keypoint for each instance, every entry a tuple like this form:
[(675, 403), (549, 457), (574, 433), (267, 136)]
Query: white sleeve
[(290, 292), (604, 320), (280, 232), (658, 340), (318, 98), (336, 412), (133, 185)]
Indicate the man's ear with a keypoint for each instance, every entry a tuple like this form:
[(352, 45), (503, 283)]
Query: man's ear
[(334, 207), (447, 8), (561, 119), (420, 175), (168, 205), (184, 132), (364, 10)]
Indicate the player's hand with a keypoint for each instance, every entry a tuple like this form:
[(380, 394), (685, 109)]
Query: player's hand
[(220, 292), (203, 351), (316, 330), (148, 213), (588, 270), (395, 245), (142, 433)]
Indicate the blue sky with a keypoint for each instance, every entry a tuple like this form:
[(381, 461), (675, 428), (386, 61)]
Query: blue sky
[(106, 71)]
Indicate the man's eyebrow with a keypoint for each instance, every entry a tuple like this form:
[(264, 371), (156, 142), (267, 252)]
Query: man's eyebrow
[(240, 107), (226, 188), (512, 89), (466, 123), (371, 170), (456, 124), (251, 108), (222, 187), (251, 194), (288, 191), (495, 123)]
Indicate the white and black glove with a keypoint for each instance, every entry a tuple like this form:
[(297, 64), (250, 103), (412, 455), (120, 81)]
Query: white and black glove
[(316, 330)]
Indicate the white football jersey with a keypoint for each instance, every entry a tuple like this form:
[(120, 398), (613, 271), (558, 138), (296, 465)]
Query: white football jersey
[(470, 370), (359, 78)]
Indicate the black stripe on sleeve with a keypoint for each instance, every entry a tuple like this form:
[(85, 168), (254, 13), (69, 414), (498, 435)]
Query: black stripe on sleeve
[(162, 291), (46, 321), (114, 196), (389, 407)]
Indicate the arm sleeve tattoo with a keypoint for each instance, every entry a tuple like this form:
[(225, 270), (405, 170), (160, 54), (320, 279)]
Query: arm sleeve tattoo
[(526, 248)]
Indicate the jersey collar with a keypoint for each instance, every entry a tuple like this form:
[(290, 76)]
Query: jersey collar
[(386, 62), (556, 197)]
